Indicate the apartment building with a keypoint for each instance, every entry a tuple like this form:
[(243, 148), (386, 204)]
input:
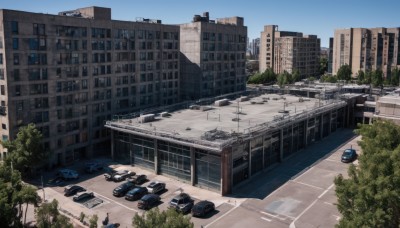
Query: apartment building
[(69, 73), (289, 51), (212, 56), (366, 49)]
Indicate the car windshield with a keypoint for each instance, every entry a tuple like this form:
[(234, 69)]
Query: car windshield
[(152, 184), (347, 152), (174, 201)]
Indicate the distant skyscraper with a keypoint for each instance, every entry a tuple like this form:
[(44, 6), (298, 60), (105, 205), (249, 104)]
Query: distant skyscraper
[(289, 51), (366, 49), (330, 55), (255, 49)]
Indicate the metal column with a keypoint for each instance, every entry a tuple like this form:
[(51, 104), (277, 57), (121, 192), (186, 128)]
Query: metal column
[(156, 156), (192, 166)]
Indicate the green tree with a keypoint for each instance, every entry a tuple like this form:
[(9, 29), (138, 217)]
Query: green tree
[(368, 77), (163, 219), (26, 151), (360, 77), (394, 78), (268, 76), (48, 216), (93, 221), (344, 73), (13, 194), (328, 78), (370, 197), (377, 78), (296, 75), (323, 66)]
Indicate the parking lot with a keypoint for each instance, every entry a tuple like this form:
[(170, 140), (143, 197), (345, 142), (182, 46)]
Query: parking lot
[(297, 193), (121, 210)]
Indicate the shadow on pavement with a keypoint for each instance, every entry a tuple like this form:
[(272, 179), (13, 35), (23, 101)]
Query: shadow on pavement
[(265, 182)]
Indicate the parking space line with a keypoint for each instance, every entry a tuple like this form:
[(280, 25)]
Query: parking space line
[(322, 194), (277, 216), (309, 185), (221, 216), (268, 220), (117, 202), (329, 203)]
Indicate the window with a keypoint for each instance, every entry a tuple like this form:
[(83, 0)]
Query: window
[(38, 29), (14, 27), (4, 126), (15, 43), (3, 90)]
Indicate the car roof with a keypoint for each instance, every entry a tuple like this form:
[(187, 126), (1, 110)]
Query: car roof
[(203, 203), (148, 196), (81, 193), (181, 195)]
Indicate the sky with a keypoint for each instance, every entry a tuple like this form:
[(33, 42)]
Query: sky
[(316, 17)]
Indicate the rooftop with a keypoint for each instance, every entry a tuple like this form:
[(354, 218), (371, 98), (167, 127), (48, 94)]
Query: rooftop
[(215, 126)]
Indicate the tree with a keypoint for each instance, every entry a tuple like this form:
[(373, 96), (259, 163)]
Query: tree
[(296, 75), (344, 73), (360, 77), (26, 151), (164, 219), (268, 76), (323, 66), (394, 78), (93, 221), (377, 78), (370, 197), (13, 194), (328, 78), (48, 216)]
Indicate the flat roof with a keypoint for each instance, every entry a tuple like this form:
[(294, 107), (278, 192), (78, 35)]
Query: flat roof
[(220, 122)]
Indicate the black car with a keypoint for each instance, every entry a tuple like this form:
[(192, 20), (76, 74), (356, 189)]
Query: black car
[(138, 180), (123, 189), (71, 190), (349, 155), (136, 193), (182, 203), (148, 201), (202, 208)]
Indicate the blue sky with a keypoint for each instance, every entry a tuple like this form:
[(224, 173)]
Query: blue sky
[(319, 17)]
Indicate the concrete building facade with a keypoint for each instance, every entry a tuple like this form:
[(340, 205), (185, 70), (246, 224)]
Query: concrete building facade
[(212, 56), (68, 73), (289, 51), (231, 139), (366, 49)]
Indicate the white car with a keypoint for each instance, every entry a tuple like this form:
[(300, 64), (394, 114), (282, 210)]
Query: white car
[(122, 175), (83, 195), (68, 174)]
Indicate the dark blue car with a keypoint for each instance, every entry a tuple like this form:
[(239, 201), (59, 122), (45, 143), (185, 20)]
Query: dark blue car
[(349, 155)]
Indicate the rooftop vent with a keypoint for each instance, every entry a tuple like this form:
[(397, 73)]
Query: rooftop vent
[(146, 118), (222, 102)]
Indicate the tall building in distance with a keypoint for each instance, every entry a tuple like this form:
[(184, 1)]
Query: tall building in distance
[(213, 56), (330, 55), (254, 48), (289, 51), (71, 72), (366, 49)]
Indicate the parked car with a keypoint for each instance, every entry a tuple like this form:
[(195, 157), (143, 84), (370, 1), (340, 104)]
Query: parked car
[(148, 201), (123, 176), (93, 167), (202, 208), (67, 174), (83, 195), (109, 173), (155, 187), (182, 203), (123, 189), (138, 179), (349, 155), (71, 190), (136, 193)]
